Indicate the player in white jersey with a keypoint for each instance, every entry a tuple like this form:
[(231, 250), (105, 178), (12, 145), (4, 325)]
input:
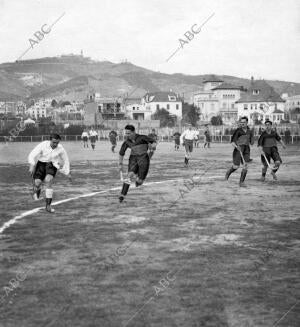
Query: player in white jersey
[(85, 138), (187, 139), (93, 137), (44, 160)]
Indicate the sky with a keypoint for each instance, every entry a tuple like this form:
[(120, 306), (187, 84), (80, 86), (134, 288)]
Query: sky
[(259, 38)]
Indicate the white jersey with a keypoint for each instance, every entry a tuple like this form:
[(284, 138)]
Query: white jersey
[(84, 134), (44, 153), (93, 133), (187, 135)]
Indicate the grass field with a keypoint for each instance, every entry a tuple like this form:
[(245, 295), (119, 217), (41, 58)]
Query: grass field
[(186, 249)]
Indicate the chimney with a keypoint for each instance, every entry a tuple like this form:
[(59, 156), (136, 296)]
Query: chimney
[(252, 80)]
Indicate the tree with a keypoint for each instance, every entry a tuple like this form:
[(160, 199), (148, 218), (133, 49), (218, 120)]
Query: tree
[(164, 117), (216, 120), (54, 103), (190, 114)]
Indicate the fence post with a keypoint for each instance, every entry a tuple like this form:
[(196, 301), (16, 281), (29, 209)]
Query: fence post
[(31, 138), (221, 138)]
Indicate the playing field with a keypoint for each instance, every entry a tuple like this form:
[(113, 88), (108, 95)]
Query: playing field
[(186, 249)]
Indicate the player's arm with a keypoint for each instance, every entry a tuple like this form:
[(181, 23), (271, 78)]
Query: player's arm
[(33, 155), (234, 139), (260, 143), (279, 139), (182, 137), (66, 163), (121, 154)]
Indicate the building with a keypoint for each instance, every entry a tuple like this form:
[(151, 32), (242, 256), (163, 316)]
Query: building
[(170, 101), (260, 102), (135, 110), (217, 98), (227, 95), (15, 108), (292, 108)]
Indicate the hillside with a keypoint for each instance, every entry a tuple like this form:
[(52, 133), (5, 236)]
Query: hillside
[(72, 77)]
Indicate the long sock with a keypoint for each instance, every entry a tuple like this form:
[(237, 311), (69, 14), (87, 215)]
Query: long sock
[(230, 171), (243, 175), (125, 188), (49, 195), (264, 171)]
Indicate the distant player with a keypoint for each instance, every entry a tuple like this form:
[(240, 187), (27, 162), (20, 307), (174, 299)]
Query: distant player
[(85, 138), (267, 143), (241, 140), (153, 135), (93, 136), (196, 138), (113, 139), (176, 137), (207, 137), (44, 160), (187, 139), (139, 160)]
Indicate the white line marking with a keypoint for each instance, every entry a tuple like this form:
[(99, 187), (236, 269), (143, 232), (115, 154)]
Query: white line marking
[(32, 211)]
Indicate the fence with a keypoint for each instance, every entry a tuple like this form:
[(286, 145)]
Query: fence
[(104, 136)]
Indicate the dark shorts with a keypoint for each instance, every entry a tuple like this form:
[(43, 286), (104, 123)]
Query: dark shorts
[(85, 139), (236, 156), (177, 141), (93, 139), (271, 153), (139, 165), (188, 144), (44, 168)]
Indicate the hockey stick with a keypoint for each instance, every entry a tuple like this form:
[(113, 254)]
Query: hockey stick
[(263, 154)]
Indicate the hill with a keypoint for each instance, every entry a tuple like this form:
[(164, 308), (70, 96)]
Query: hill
[(71, 77)]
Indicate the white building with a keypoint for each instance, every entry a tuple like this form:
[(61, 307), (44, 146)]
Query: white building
[(261, 102), (217, 98), (169, 101)]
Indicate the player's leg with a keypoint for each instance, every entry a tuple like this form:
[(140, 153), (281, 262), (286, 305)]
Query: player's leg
[(277, 160), (50, 174), (265, 167), (38, 177), (236, 160), (245, 149), (132, 171), (143, 169)]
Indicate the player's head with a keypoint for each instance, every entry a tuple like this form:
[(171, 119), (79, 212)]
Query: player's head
[(244, 121), (54, 140), (189, 126), (268, 125), (129, 131)]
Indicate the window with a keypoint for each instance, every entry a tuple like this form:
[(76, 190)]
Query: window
[(251, 106), (157, 107), (172, 98), (232, 106), (255, 92), (133, 108), (261, 106), (255, 106), (212, 106), (224, 105), (177, 106), (168, 107), (245, 106)]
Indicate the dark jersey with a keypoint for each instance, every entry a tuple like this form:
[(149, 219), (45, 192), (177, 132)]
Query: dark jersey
[(138, 146), (207, 136), (268, 140), (153, 136), (112, 135), (240, 137), (177, 136)]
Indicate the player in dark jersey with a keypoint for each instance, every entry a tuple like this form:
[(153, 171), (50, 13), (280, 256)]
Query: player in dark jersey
[(176, 137), (241, 140), (207, 137), (267, 143), (113, 139), (153, 135), (139, 160)]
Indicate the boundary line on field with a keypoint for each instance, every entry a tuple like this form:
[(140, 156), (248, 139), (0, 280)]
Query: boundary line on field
[(35, 210)]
